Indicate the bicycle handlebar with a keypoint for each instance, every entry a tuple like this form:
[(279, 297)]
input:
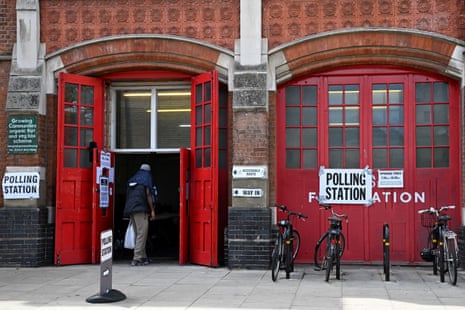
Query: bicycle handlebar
[(329, 207), (434, 210), (289, 212)]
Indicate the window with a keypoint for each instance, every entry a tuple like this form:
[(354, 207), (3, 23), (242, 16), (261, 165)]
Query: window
[(152, 118), (388, 125), (344, 126), (301, 126), (432, 124), (78, 125)]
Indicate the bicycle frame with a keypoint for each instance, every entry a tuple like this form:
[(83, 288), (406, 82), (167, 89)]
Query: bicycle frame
[(284, 251), (444, 251), (334, 246)]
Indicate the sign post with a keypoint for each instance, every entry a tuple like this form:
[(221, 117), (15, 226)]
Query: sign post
[(107, 294)]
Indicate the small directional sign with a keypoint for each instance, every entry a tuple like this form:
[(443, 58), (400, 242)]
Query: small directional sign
[(249, 172), (247, 192)]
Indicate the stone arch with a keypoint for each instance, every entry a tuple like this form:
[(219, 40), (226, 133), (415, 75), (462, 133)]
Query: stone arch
[(140, 52), (368, 46)]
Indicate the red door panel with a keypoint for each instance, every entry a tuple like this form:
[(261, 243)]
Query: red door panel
[(80, 121), (203, 194)]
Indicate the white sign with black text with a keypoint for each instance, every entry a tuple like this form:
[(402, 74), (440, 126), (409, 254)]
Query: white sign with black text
[(346, 186), (21, 185), (249, 172), (247, 192), (390, 178)]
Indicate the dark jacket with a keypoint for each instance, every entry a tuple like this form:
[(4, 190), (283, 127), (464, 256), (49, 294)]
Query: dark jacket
[(136, 200)]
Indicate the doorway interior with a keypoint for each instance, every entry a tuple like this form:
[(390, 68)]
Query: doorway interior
[(163, 239)]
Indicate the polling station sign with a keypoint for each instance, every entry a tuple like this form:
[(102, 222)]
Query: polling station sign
[(21, 185), (345, 186)]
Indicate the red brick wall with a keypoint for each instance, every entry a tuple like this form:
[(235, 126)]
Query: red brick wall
[(4, 75), (7, 26), (50, 153), (7, 39), (250, 136), (289, 20), (67, 22)]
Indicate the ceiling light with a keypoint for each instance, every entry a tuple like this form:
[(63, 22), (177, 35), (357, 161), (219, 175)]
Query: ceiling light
[(174, 93)]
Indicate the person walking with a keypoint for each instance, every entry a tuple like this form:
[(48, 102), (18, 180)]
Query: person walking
[(140, 208)]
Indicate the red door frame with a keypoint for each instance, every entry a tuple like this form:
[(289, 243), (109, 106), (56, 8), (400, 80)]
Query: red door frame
[(75, 186)]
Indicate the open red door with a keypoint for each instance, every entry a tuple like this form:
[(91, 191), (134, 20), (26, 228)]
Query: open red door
[(203, 192), (80, 122)]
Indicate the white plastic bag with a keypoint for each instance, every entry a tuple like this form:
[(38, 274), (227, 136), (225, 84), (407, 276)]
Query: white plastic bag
[(130, 237)]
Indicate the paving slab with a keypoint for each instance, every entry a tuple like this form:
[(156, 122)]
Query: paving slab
[(168, 285)]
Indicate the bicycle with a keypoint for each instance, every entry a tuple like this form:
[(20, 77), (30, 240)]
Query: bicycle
[(334, 242), (287, 244), (442, 247)]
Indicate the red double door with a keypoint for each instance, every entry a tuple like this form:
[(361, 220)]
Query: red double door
[(79, 214), (382, 119)]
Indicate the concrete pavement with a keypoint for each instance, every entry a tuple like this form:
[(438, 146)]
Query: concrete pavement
[(167, 285)]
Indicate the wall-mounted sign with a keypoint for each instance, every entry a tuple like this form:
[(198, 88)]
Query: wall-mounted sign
[(249, 172), (21, 185), (390, 178), (346, 186), (22, 134), (247, 192)]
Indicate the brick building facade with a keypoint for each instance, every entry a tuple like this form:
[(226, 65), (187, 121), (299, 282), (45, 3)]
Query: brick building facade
[(258, 49)]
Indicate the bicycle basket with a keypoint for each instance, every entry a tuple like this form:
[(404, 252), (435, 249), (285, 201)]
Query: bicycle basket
[(428, 219)]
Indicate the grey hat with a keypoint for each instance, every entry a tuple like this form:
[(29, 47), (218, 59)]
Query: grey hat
[(145, 167)]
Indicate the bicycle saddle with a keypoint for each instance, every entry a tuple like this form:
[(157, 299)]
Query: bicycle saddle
[(444, 218)]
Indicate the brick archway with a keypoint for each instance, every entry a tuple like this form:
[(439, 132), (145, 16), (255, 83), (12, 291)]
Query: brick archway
[(142, 52), (412, 49)]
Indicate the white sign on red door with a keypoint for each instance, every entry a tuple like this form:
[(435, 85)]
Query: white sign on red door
[(345, 186)]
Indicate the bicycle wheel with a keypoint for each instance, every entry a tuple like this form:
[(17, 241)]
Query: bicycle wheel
[(338, 261), (433, 245), (319, 257), (288, 258), (450, 250), (441, 260), (342, 244), (296, 244), (295, 247), (276, 256), (330, 256)]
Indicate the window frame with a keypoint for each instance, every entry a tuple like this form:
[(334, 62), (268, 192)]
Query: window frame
[(154, 89)]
